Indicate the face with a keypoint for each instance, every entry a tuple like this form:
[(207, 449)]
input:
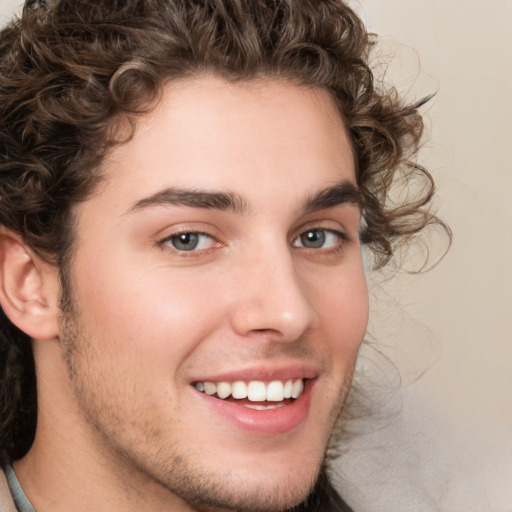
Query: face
[(219, 299)]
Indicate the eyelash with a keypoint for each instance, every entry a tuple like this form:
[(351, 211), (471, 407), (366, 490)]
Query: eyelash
[(167, 241), (343, 238), (338, 245)]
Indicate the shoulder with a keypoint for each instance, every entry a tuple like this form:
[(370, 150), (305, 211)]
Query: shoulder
[(6, 501)]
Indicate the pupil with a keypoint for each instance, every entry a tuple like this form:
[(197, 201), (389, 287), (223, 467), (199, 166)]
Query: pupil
[(314, 239), (185, 241)]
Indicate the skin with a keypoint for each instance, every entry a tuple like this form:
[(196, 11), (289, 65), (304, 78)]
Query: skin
[(120, 426)]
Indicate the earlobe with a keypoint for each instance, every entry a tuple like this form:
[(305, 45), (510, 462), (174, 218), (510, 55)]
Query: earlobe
[(29, 288)]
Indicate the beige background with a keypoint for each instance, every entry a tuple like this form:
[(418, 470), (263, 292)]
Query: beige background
[(450, 448), (455, 431)]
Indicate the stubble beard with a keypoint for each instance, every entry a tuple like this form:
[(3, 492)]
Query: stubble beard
[(170, 468)]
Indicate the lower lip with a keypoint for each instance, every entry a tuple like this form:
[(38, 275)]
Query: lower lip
[(266, 422)]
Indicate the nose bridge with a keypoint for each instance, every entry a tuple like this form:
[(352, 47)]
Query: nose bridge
[(271, 297)]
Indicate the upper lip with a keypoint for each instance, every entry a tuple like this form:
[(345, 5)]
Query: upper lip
[(262, 373)]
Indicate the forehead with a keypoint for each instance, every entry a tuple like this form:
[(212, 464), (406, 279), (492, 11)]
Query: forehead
[(207, 133)]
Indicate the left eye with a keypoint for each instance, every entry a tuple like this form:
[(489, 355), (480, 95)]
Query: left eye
[(318, 239), (189, 241)]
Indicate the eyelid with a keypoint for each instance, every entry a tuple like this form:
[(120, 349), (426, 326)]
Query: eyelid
[(199, 236), (181, 227), (165, 242), (325, 224), (344, 237)]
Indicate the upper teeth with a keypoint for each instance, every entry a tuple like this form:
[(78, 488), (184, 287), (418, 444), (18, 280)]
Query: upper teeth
[(254, 390)]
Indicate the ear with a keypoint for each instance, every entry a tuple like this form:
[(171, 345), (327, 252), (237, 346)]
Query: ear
[(29, 288)]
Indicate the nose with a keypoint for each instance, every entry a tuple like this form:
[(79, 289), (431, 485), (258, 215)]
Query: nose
[(272, 300)]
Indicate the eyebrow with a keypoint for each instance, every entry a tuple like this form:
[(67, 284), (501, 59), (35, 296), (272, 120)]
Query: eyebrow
[(223, 201), (341, 193)]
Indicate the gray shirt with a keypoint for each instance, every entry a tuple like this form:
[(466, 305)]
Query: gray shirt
[(12, 497)]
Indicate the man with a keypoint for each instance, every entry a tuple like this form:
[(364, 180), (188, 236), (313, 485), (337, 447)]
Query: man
[(186, 187)]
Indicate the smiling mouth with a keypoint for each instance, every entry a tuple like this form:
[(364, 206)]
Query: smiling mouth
[(278, 393)]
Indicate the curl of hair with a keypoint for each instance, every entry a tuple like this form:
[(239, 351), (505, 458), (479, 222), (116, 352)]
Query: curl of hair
[(74, 71)]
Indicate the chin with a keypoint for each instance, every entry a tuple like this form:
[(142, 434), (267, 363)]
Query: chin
[(262, 483), (251, 493)]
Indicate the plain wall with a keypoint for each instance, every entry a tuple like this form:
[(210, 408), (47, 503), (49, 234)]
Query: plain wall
[(454, 321), (465, 50)]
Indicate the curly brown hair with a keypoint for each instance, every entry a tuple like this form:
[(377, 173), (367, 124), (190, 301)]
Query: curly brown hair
[(72, 70)]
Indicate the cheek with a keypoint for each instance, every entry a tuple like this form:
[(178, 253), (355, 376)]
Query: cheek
[(342, 306), (155, 315)]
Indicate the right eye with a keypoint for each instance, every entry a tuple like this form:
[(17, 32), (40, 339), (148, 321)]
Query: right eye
[(189, 241), (320, 238)]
